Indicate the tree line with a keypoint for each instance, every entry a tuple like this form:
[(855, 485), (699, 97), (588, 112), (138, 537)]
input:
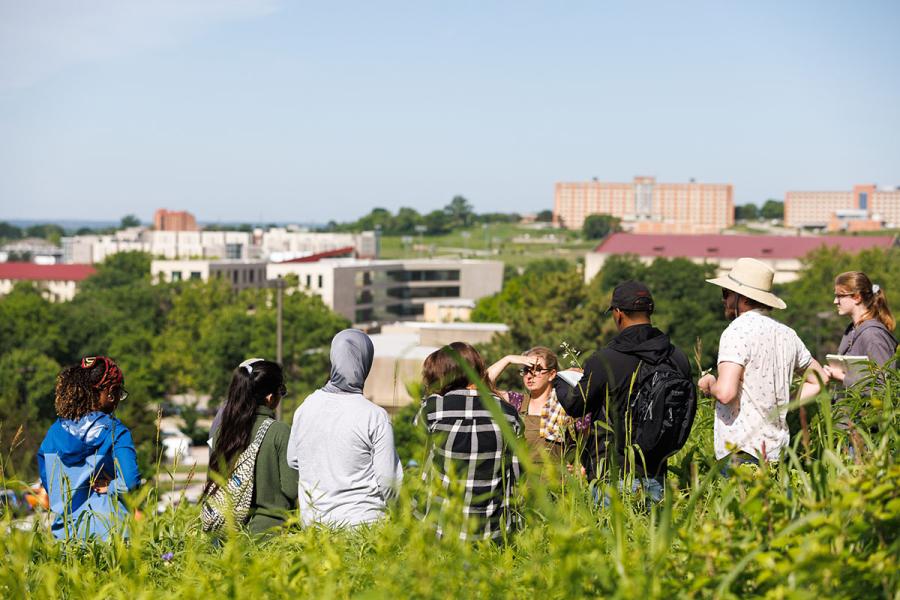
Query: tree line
[(457, 214)]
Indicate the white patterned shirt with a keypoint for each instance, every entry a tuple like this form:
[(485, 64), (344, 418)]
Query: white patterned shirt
[(770, 353)]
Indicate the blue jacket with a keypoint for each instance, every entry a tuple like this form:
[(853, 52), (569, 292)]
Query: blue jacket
[(73, 455)]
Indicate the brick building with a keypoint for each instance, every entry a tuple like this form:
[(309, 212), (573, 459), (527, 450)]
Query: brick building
[(174, 220), (866, 207), (646, 206)]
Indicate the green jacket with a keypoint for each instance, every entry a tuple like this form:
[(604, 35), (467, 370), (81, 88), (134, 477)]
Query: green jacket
[(275, 484)]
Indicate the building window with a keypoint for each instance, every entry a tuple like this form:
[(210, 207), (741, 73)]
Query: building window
[(195, 274), (320, 282), (234, 250), (406, 293), (251, 274), (176, 275), (234, 276), (365, 314), (863, 201), (309, 281)]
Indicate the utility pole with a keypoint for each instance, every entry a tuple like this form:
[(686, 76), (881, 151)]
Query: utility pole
[(279, 284)]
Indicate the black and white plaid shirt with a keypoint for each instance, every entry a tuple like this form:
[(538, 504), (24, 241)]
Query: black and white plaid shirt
[(468, 457)]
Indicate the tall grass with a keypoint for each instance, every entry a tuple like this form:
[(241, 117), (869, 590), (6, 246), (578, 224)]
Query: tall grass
[(822, 523)]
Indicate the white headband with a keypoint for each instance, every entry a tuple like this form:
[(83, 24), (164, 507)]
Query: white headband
[(248, 364), (876, 288)]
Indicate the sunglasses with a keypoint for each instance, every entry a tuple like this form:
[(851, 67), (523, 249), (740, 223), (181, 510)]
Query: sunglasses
[(533, 371)]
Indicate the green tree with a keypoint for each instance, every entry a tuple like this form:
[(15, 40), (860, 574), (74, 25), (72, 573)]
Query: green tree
[(29, 321), (9, 232), (545, 216), (129, 221), (746, 212), (599, 226), (27, 381), (437, 223), (405, 222), (460, 212), (772, 209), (51, 233)]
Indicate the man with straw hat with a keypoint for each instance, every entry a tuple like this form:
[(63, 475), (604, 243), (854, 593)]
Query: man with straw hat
[(757, 358)]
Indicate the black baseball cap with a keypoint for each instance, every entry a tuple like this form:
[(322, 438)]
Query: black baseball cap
[(631, 295)]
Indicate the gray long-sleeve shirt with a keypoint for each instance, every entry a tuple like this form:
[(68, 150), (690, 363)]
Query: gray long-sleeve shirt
[(870, 338), (342, 445)]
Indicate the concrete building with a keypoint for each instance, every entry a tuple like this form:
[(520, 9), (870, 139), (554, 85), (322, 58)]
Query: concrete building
[(241, 274), (37, 250), (164, 244), (174, 220), (783, 253), (58, 283), (279, 244), (276, 244), (367, 291), (865, 208), (400, 350), (646, 206)]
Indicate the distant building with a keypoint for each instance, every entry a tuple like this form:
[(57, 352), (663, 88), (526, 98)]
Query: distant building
[(174, 220), (865, 208), (646, 206), (164, 244), (277, 244), (36, 250), (401, 348), (58, 283), (782, 253), (367, 291), (241, 274)]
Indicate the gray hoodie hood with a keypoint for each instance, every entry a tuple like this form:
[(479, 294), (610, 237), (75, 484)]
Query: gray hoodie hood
[(352, 353)]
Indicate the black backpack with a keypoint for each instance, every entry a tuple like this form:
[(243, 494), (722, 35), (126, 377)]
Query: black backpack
[(661, 408)]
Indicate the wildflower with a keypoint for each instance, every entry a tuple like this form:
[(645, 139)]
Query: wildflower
[(168, 556)]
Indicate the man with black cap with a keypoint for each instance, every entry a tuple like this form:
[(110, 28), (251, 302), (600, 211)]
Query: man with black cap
[(606, 386)]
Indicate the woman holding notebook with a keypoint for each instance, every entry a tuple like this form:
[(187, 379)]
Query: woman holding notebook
[(869, 333)]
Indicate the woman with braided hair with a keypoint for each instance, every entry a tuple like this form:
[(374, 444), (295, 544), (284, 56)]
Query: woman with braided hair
[(87, 459)]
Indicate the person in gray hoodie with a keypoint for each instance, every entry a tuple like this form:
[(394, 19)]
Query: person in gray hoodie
[(869, 333), (342, 444)]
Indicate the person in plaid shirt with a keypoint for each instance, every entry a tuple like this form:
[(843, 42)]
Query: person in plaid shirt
[(472, 471), (549, 430)]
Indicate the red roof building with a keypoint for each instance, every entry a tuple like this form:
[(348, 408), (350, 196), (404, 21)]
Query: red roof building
[(58, 282), (782, 253)]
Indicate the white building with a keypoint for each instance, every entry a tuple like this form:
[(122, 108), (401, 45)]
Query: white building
[(241, 274), (276, 244), (280, 244), (165, 244), (369, 291)]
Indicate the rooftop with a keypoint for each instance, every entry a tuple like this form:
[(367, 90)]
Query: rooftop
[(23, 271), (734, 246)]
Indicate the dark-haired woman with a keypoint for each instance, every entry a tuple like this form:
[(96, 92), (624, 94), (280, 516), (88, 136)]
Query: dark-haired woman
[(257, 387), (468, 454), (87, 459), (869, 332)]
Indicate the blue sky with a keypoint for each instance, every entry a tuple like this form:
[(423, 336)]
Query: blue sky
[(245, 110)]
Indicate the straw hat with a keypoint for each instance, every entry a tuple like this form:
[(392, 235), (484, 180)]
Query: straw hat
[(752, 279)]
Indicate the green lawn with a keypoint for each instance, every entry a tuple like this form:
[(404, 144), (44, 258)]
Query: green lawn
[(513, 244)]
